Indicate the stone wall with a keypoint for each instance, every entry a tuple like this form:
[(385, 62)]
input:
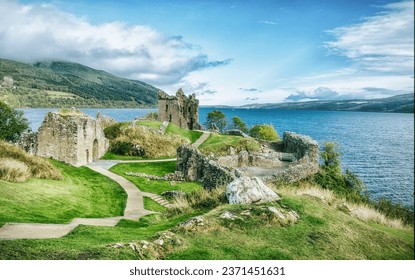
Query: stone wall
[(197, 167), (74, 138), (305, 150), (180, 110)]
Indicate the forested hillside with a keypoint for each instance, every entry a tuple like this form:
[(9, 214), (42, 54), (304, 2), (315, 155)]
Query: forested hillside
[(65, 84)]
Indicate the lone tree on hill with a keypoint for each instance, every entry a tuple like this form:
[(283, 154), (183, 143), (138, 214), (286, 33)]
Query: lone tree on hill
[(237, 123), (218, 118), (12, 123)]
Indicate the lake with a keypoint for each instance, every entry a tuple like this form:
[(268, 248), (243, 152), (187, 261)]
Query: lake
[(379, 147)]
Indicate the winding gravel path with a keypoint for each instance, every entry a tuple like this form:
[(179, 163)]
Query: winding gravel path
[(134, 207)]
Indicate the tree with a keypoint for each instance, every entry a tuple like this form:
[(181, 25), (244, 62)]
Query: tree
[(217, 118), (264, 132), (237, 123), (12, 123), (331, 157)]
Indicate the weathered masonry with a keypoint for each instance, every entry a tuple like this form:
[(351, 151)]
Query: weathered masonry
[(180, 110), (74, 138)]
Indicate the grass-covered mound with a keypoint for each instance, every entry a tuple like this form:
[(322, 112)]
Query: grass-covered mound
[(157, 169), (18, 166), (81, 193), (219, 144), (324, 230), (143, 140)]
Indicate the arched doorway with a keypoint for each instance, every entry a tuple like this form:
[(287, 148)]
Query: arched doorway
[(95, 150)]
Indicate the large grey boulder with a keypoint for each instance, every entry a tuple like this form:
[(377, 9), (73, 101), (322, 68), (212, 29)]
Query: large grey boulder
[(246, 190)]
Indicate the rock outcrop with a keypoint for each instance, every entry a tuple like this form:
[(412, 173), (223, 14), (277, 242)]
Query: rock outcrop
[(247, 190), (197, 167)]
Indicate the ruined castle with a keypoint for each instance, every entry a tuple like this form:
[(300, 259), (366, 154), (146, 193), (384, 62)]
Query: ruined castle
[(73, 137), (180, 110)]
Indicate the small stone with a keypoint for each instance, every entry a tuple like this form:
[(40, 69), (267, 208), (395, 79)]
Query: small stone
[(277, 213), (132, 246), (228, 216), (159, 242), (246, 213), (116, 245)]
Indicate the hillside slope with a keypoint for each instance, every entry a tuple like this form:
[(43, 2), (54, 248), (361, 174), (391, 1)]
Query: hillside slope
[(58, 83), (403, 103)]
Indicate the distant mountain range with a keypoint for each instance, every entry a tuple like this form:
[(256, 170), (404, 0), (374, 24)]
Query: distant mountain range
[(60, 84), (403, 103)]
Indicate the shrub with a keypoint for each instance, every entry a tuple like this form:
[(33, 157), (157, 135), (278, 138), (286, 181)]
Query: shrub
[(217, 118), (115, 130), (12, 123), (264, 132), (331, 157), (237, 123)]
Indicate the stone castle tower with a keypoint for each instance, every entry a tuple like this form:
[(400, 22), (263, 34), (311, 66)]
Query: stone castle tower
[(180, 110), (74, 138)]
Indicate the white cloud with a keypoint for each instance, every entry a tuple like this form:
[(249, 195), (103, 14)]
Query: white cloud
[(381, 43), (41, 32)]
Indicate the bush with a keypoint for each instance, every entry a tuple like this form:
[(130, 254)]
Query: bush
[(12, 123), (115, 130), (331, 157), (264, 132), (237, 123), (217, 118)]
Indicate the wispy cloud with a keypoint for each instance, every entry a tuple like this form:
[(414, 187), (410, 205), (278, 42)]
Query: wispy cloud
[(42, 32), (268, 22), (320, 93), (199, 88), (381, 43), (250, 90)]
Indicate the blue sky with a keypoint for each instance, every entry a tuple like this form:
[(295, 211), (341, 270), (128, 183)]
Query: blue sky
[(227, 52)]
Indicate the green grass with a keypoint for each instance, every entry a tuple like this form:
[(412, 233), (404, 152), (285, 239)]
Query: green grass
[(219, 144), (151, 168), (189, 134), (321, 233), (112, 156), (154, 168), (151, 124), (82, 193), (151, 205), (89, 242)]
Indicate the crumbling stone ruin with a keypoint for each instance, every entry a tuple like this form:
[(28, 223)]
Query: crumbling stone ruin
[(75, 138), (292, 159), (180, 110)]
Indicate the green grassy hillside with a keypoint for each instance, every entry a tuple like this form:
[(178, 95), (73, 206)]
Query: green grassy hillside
[(64, 84)]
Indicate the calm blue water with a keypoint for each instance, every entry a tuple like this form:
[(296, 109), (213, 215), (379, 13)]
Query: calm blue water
[(379, 147)]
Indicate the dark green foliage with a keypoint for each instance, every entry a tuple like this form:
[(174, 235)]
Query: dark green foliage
[(237, 123), (71, 84), (12, 123), (331, 157), (113, 131), (217, 118), (394, 210), (264, 132), (351, 187)]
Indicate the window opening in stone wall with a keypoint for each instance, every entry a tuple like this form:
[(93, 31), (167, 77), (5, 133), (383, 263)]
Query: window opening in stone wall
[(95, 150), (169, 118), (87, 155), (167, 107)]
